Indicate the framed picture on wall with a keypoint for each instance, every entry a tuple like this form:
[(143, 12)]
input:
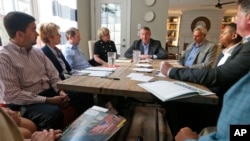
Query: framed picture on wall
[(200, 21)]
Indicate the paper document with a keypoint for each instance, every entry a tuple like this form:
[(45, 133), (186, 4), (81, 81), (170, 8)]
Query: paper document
[(135, 75), (100, 69), (144, 65), (143, 78), (122, 61), (165, 90), (93, 73), (140, 77), (142, 69)]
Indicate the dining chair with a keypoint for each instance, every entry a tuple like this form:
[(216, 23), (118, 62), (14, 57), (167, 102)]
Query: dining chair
[(91, 44)]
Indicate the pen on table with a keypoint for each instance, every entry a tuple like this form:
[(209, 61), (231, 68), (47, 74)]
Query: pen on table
[(112, 78)]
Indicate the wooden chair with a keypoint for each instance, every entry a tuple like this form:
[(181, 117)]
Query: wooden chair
[(185, 46), (91, 44)]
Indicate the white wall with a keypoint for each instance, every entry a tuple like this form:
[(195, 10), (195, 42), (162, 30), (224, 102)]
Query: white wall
[(84, 24), (157, 26)]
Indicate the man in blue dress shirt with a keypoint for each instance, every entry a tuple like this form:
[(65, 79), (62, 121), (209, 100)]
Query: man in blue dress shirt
[(72, 52), (201, 52)]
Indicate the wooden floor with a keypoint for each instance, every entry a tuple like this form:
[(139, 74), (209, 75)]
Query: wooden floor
[(141, 121)]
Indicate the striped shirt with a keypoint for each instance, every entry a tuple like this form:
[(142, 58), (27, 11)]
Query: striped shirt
[(25, 74)]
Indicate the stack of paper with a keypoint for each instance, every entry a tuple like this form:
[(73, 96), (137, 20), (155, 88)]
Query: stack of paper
[(142, 69), (95, 71), (144, 65), (100, 69), (165, 90), (140, 77)]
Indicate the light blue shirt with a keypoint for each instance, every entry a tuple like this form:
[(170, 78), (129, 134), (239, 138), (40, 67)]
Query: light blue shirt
[(75, 57), (190, 59), (145, 47)]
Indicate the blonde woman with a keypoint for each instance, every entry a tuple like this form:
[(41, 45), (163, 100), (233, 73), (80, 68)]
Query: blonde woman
[(49, 34), (103, 46)]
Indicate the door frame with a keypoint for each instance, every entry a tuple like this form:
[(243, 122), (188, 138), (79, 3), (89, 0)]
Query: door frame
[(127, 24)]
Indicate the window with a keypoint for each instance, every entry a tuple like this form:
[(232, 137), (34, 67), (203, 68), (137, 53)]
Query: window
[(12, 5)]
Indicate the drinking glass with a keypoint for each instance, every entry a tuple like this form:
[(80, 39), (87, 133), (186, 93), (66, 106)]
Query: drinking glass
[(111, 59), (136, 56)]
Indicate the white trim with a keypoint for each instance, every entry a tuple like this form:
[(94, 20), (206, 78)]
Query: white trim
[(128, 23), (92, 22), (35, 10)]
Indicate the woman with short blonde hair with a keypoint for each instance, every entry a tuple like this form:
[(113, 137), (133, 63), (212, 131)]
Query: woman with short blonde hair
[(102, 32), (102, 47)]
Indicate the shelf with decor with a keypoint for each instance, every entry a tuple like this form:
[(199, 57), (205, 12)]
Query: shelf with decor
[(226, 20), (172, 27), (172, 34)]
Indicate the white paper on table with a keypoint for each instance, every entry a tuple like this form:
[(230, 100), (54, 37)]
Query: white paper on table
[(135, 75), (95, 73), (143, 65), (142, 69), (122, 61), (143, 78), (166, 90), (100, 69)]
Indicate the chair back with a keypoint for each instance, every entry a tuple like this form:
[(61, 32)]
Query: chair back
[(91, 44)]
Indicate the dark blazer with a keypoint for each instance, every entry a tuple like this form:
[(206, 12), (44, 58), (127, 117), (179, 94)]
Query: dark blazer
[(46, 50), (155, 48), (223, 76)]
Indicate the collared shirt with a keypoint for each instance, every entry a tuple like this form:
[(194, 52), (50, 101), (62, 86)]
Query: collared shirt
[(145, 47), (227, 53), (57, 53), (190, 59), (246, 39), (25, 74), (75, 57)]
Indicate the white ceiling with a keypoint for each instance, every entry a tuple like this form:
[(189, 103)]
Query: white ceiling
[(181, 5)]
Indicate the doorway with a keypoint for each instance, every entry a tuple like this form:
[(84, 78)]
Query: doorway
[(115, 15)]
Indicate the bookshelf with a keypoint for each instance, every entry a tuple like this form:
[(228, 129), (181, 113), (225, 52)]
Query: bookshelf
[(226, 20), (172, 35)]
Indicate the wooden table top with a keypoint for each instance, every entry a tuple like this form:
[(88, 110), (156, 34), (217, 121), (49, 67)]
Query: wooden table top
[(125, 86)]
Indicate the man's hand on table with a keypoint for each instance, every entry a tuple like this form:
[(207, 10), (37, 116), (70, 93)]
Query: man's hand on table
[(165, 67), (143, 56)]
